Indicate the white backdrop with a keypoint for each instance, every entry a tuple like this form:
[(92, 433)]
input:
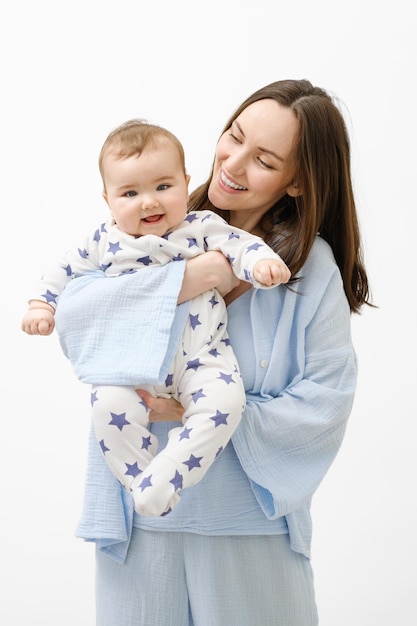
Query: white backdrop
[(71, 72)]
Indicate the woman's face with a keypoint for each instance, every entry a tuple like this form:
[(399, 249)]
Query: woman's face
[(254, 164)]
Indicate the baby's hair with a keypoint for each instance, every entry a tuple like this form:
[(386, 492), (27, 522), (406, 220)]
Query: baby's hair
[(132, 137)]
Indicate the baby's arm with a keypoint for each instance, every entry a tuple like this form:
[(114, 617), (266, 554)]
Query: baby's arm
[(270, 272), (39, 318)]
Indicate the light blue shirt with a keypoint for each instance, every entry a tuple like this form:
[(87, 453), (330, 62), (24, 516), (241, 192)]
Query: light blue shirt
[(299, 367)]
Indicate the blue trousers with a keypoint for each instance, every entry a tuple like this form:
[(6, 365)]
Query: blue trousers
[(185, 579)]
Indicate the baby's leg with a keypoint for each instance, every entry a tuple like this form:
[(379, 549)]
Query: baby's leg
[(210, 388), (120, 420)]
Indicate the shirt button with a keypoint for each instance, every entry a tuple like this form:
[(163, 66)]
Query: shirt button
[(264, 363)]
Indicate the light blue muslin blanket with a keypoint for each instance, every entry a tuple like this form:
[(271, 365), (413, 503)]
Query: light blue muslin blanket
[(122, 330)]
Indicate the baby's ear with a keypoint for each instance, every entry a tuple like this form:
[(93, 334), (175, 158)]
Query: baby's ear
[(106, 200)]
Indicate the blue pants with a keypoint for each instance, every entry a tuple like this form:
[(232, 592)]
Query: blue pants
[(186, 579)]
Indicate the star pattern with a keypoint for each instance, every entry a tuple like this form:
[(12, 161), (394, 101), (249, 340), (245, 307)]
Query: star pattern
[(213, 301), (146, 443), (114, 248), (93, 397), (192, 241), (145, 260), (190, 218), (146, 482), (193, 461), (194, 321), (228, 378), (119, 420), (219, 418), (49, 296), (103, 447), (185, 433), (177, 480), (197, 395), (194, 364), (132, 470), (254, 246)]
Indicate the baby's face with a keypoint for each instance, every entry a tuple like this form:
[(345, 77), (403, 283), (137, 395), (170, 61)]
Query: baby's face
[(147, 194)]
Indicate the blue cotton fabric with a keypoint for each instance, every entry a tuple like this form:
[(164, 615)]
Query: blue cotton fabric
[(299, 397), (122, 330)]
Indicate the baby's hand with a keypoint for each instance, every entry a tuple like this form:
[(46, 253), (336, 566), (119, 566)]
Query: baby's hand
[(270, 272), (38, 321)]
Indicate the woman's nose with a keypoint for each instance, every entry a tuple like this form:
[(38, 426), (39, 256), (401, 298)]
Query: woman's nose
[(236, 162)]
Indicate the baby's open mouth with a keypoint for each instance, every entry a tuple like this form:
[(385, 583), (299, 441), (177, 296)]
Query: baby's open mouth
[(152, 218)]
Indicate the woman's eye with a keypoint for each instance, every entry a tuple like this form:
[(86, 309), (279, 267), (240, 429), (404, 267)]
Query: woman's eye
[(234, 138), (264, 164)]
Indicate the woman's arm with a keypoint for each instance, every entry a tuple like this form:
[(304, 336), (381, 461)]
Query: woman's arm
[(207, 271), (287, 442)]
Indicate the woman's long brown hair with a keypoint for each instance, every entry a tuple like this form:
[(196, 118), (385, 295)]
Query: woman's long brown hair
[(327, 204)]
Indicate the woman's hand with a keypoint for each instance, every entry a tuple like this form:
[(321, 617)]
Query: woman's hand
[(162, 409), (207, 271)]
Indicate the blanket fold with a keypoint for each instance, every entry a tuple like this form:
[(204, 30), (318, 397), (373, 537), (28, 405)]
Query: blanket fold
[(122, 330)]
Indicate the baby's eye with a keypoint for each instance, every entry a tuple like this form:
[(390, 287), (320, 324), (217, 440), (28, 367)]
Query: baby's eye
[(131, 194), (163, 187)]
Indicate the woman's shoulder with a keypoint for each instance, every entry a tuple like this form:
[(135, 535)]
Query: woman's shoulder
[(320, 259)]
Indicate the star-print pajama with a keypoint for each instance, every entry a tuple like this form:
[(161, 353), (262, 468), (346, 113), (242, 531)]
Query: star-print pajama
[(204, 376)]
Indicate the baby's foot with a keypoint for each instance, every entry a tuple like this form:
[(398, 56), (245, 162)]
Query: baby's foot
[(158, 490)]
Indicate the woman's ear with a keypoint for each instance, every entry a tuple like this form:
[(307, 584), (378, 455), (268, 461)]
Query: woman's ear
[(294, 190)]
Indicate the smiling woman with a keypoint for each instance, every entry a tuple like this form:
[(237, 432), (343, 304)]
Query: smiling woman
[(251, 506), (254, 162)]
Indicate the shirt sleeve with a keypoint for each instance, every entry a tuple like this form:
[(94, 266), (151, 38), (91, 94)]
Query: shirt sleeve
[(75, 260), (242, 249), (287, 441)]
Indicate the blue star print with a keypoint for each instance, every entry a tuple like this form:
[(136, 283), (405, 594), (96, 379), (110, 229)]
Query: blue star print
[(103, 447), (146, 442), (177, 480), (49, 296), (197, 395), (132, 470), (146, 482), (114, 247), (219, 418), (185, 433), (194, 321), (193, 461), (194, 364), (118, 420), (228, 378)]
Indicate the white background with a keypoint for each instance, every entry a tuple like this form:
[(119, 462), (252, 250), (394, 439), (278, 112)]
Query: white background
[(72, 71)]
